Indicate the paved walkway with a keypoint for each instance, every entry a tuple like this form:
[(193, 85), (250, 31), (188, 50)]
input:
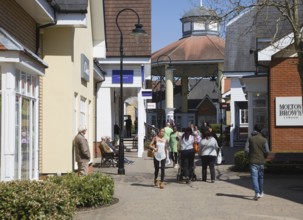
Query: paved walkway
[(230, 197)]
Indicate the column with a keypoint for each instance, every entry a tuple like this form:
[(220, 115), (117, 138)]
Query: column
[(169, 94)]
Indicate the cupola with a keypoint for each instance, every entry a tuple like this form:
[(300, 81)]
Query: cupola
[(200, 21)]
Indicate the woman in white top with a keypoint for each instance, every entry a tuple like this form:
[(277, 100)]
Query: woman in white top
[(159, 145), (208, 154), (187, 154)]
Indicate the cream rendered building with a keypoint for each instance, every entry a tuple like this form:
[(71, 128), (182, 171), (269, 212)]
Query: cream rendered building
[(68, 86)]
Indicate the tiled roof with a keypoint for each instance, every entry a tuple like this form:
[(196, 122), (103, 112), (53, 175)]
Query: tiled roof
[(194, 48), (126, 22)]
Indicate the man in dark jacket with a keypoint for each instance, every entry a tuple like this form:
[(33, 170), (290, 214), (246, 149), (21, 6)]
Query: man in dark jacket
[(82, 152), (257, 148)]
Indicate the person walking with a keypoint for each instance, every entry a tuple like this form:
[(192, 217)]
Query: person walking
[(173, 146), (128, 126), (208, 154), (257, 149), (82, 152), (187, 154), (159, 145)]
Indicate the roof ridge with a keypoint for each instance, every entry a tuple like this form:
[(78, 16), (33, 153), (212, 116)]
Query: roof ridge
[(179, 46), (215, 45)]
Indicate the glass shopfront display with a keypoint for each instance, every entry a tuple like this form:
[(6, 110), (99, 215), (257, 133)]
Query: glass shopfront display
[(25, 128)]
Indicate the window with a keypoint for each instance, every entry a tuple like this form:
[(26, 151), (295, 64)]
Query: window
[(26, 144), (244, 116), (260, 114), (75, 113), (82, 111)]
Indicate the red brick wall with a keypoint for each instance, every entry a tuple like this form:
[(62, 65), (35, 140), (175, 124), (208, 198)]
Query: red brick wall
[(284, 81), (126, 21), (18, 23)]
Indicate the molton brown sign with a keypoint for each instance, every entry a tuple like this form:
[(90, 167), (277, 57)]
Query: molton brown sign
[(289, 111)]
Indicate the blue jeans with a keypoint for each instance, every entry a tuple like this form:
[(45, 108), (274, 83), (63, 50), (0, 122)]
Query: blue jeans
[(257, 176)]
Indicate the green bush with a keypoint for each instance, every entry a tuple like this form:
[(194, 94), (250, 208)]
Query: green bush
[(89, 191), (35, 200), (241, 161)]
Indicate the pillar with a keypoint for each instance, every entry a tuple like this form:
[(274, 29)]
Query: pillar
[(169, 94)]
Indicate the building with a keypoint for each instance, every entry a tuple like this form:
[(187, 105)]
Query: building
[(48, 83), (197, 58), (256, 79), (123, 15)]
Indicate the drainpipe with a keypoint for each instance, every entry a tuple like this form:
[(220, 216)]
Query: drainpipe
[(45, 26)]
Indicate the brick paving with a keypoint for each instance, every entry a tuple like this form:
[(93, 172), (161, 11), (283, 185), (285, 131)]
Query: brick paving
[(230, 197)]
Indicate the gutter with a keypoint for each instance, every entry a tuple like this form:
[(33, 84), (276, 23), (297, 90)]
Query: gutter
[(45, 26)]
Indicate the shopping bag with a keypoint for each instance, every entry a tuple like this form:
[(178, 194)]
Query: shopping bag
[(219, 157)]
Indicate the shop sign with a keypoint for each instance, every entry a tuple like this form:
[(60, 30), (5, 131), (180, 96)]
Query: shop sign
[(289, 111)]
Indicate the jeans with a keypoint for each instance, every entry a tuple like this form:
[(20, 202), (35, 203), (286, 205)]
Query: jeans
[(187, 162), (257, 177), (210, 161)]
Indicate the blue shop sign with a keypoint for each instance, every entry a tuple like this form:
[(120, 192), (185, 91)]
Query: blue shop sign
[(128, 76)]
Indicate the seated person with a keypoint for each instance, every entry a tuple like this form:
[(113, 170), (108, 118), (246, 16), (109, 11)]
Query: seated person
[(103, 145)]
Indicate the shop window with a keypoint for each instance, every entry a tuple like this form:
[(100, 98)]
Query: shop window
[(26, 144)]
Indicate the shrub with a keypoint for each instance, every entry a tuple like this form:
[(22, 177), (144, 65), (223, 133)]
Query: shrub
[(241, 161), (35, 200), (89, 191)]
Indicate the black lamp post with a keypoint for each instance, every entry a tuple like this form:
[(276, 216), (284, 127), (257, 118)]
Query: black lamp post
[(162, 87), (137, 32)]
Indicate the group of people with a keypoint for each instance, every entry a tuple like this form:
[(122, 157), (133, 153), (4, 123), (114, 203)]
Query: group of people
[(171, 144)]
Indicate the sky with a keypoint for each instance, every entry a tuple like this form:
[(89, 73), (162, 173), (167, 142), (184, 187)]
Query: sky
[(166, 24)]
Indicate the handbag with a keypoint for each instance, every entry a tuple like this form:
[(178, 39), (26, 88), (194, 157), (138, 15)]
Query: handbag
[(150, 153), (196, 147)]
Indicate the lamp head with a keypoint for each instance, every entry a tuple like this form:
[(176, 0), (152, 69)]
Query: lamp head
[(138, 32), (170, 67)]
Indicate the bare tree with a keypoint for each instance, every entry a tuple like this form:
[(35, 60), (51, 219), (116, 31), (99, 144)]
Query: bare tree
[(290, 12)]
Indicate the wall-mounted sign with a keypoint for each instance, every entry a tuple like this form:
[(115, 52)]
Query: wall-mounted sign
[(289, 111), (151, 105), (128, 76), (84, 68), (147, 94)]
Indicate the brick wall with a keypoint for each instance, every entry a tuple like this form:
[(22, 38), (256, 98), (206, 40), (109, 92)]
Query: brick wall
[(284, 81), (126, 21), (18, 23)]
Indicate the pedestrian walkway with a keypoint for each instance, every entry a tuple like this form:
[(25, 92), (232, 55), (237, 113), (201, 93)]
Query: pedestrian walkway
[(230, 197)]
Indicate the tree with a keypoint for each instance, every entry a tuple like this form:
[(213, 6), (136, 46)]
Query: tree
[(289, 13)]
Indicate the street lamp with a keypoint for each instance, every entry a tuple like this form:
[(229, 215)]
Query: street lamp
[(137, 33), (162, 87)]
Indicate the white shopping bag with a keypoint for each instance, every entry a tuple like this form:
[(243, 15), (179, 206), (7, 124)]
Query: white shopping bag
[(219, 157)]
